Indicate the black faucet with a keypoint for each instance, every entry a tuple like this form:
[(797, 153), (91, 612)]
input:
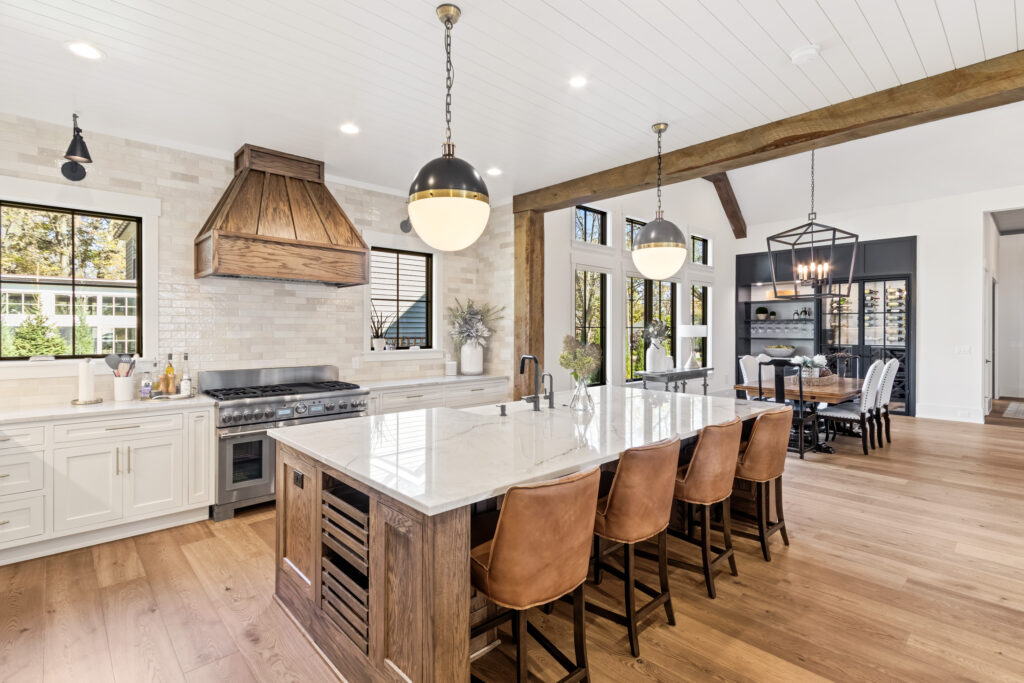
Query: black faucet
[(535, 399), (549, 386)]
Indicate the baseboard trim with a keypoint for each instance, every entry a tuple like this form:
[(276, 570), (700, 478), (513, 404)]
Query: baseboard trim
[(52, 546)]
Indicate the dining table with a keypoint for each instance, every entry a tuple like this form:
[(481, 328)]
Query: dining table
[(841, 390)]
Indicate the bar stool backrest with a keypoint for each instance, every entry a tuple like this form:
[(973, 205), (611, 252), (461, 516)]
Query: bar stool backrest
[(639, 503), (541, 546), (869, 390), (709, 477), (765, 456)]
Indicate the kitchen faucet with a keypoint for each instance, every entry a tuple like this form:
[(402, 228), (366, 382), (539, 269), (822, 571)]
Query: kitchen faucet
[(535, 399), (550, 393)]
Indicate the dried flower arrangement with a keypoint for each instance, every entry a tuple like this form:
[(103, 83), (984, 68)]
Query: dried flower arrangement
[(582, 360), (471, 322)]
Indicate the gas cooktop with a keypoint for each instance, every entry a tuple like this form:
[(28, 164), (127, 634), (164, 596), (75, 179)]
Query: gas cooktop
[(287, 389)]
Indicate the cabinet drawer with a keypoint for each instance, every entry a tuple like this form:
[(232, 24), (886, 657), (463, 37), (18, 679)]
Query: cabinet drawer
[(476, 394), (20, 471), (116, 429), (22, 518), (15, 436), (410, 399)]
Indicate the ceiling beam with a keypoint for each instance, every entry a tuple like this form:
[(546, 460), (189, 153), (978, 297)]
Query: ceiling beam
[(991, 83), (729, 203)]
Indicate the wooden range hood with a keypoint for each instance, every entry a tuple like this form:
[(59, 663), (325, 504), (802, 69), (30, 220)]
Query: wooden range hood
[(278, 220)]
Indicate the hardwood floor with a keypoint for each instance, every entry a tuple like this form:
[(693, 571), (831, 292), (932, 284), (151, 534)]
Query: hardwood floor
[(996, 416), (905, 564)]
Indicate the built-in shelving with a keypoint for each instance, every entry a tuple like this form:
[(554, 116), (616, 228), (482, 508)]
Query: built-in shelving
[(345, 563)]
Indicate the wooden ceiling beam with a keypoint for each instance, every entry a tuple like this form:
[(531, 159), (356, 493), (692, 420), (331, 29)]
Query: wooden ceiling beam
[(991, 83), (729, 203)]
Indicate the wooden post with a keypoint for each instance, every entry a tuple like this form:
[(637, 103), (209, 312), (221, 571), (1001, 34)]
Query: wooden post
[(529, 294)]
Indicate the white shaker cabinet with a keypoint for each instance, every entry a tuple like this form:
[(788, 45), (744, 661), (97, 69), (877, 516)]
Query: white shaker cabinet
[(87, 485), (153, 474)]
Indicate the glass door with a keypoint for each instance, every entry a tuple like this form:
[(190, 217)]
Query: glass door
[(840, 320), (886, 332)]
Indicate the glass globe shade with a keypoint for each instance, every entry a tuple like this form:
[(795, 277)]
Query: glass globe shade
[(659, 263), (449, 223)]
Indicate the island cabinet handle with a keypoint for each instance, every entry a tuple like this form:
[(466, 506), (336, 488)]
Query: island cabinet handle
[(111, 429)]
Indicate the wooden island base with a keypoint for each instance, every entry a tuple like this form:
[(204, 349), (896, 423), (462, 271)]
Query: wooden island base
[(382, 589)]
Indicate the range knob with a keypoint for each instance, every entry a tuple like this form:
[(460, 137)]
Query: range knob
[(359, 404), (225, 418), (329, 406), (237, 417), (247, 415), (342, 405), (300, 408), (268, 413)]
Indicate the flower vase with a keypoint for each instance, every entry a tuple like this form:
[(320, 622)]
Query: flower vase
[(379, 343), (581, 400), (472, 358), (654, 359)]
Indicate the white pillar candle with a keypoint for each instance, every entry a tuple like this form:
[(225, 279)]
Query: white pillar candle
[(86, 382)]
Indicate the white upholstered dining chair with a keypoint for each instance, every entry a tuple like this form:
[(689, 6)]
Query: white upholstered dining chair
[(885, 386), (860, 412)]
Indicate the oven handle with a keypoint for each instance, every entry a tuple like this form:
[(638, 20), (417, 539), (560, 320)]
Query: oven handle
[(237, 434)]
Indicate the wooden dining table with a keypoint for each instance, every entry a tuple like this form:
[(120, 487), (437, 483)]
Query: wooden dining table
[(840, 391)]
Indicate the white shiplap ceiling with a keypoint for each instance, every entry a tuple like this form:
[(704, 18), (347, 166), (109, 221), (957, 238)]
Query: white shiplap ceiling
[(209, 75)]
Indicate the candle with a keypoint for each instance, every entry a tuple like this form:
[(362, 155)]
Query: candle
[(86, 386)]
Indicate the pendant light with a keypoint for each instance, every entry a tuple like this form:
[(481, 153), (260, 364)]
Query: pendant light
[(448, 202), (76, 155), (811, 250), (659, 250)]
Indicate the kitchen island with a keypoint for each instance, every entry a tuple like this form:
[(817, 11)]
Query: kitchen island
[(374, 514)]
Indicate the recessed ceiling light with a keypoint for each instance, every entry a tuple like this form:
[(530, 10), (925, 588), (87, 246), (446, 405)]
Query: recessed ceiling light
[(85, 51), (494, 170), (804, 54), (349, 128), (578, 81)]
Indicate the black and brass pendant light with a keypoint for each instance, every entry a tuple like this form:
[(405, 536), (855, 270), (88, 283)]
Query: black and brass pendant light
[(76, 155), (448, 201), (659, 250), (807, 258)]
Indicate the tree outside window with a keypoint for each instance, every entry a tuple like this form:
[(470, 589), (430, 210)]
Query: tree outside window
[(633, 228), (646, 300), (591, 225), (699, 316), (590, 315)]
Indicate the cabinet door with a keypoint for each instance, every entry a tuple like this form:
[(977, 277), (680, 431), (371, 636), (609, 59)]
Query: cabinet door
[(199, 478), (153, 466), (298, 519), (88, 485)]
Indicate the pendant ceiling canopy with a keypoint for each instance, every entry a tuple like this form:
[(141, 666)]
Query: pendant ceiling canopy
[(448, 201), (659, 249)]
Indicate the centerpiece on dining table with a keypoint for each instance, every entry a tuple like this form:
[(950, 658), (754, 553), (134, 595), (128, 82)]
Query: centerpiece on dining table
[(813, 370)]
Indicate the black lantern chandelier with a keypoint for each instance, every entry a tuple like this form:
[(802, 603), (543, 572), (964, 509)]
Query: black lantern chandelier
[(810, 255), (448, 202)]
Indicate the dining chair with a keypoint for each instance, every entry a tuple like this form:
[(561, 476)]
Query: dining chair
[(804, 414), (892, 366), (750, 367), (861, 412)]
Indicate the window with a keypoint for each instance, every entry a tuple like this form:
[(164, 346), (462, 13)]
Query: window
[(646, 300), (589, 319), (699, 316), (591, 225), (699, 250), (58, 262), (633, 228), (401, 284)]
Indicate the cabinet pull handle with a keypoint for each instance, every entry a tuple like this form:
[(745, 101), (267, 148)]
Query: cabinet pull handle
[(117, 461), (129, 459), (111, 429), (5, 475), (4, 521), (478, 389), (5, 438), (415, 396)]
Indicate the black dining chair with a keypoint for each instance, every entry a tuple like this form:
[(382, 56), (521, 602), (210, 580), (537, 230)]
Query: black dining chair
[(805, 414)]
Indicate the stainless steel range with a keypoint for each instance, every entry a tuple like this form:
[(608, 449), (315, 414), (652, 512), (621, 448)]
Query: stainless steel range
[(249, 402)]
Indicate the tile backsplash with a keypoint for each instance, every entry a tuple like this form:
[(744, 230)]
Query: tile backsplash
[(234, 323)]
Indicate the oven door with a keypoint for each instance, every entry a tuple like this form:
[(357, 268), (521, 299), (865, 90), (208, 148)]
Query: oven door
[(247, 462)]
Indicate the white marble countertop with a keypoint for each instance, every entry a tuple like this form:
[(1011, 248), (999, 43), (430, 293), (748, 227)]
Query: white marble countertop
[(439, 459), (11, 414), (424, 381)]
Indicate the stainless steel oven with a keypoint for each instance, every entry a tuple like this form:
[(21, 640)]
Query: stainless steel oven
[(246, 460)]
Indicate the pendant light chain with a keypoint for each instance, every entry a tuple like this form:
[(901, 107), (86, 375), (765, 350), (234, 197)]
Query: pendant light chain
[(659, 174), (812, 215), (449, 81)]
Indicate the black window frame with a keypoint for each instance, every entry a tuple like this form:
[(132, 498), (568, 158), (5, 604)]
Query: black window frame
[(137, 263), (694, 239), (633, 226), (429, 257), (599, 378), (700, 344), (648, 303), (596, 212)]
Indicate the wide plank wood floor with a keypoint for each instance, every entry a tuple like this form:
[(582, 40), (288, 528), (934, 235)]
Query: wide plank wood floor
[(999, 405), (904, 565)]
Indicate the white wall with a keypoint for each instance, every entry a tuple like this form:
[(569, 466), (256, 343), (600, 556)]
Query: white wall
[(695, 207), (949, 319), (1010, 317)]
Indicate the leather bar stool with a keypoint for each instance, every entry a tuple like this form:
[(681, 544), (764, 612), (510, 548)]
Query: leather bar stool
[(762, 460), (705, 482), (638, 507), (540, 551)]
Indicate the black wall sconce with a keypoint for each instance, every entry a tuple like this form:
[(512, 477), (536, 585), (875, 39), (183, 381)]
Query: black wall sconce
[(76, 155)]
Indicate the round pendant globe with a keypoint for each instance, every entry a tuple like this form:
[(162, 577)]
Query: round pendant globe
[(448, 204), (659, 250)]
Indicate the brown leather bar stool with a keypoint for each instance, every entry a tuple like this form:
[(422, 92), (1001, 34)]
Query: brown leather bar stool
[(705, 482), (540, 551), (762, 460), (638, 506)]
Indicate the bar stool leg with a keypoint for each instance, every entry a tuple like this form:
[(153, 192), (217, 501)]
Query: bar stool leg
[(519, 622), (778, 511), (579, 631), (705, 549), (761, 500), (598, 573), (727, 533), (663, 575), (629, 564)]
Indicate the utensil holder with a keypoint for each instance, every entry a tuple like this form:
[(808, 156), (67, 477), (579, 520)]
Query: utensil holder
[(124, 389)]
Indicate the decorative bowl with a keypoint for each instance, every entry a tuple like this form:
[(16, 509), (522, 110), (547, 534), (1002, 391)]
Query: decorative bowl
[(780, 352)]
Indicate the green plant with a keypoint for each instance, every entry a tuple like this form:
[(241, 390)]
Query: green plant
[(580, 359), (37, 336), (471, 322), (762, 310), (379, 323)]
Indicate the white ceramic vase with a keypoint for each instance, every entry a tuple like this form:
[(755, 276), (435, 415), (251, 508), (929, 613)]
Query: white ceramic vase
[(472, 358), (655, 358), (379, 343)]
